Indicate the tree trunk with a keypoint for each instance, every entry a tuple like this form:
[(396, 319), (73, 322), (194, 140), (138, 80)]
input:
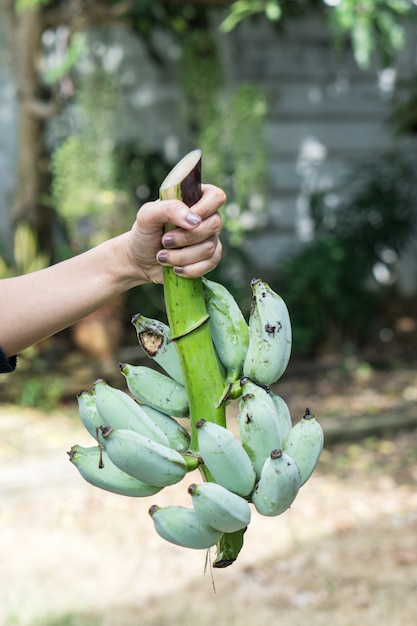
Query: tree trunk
[(35, 103), (27, 36), (24, 31)]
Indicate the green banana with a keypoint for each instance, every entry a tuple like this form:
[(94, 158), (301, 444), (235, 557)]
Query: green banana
[(269, 335), (156, 390), (183, 527), (118, 410), (143, 458), (89, 416), (155, 339), (258, 424), (225, 457), (305, 444), (219, 507), (228, 328), (278, 485), (178, 437), (97, 469), (283, 416), (209, 355)]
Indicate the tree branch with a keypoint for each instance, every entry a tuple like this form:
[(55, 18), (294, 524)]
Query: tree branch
[(42, 110), (81, 14)]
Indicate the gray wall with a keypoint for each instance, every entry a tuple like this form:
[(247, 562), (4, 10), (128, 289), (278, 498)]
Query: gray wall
[(324, 113)]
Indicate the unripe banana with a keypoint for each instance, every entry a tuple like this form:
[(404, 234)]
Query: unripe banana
[(155, 338), (219, 507), (96, 468), (228, 328), (118, 410), (225, 458), (269, 335), (258, 424), (278, 485), (183, 527), (178, 437), (89, 416), (156, 390), (305, 444), (143, 458), (283, 416)]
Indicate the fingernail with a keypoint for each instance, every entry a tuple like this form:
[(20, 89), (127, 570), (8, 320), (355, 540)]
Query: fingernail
[(178, 270), (162, 257), (192, 219), (168, 241)]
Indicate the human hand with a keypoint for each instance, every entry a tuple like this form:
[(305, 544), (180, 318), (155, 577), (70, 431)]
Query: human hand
[(193, 248)]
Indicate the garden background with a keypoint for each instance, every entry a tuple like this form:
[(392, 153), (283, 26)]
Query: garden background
[(306, 114)]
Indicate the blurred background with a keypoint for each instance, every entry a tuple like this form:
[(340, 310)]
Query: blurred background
[(306, 114)]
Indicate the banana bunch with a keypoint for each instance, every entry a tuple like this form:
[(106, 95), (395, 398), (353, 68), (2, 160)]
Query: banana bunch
[(140, 446)]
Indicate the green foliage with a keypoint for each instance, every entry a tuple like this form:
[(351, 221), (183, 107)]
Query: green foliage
[(243, 9), (332, 287), (28, 5), (228, 126), (27, 256), (403, 117), (74, 52), (378, 209), (372, 26), (86, 190), (69, 618), (237, 159), (325, 290), (41, 393)]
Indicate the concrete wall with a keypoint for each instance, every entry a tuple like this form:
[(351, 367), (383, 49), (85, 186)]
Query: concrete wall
[(323, 114)]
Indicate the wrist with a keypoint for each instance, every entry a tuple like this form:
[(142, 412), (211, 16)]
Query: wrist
[(125, 272)]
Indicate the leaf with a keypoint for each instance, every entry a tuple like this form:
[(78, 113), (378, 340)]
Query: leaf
[(68, 60), (241, 10), (28, 5), (26, 251)]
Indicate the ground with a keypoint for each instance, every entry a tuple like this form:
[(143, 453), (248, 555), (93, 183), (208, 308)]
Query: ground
[(346, 551)]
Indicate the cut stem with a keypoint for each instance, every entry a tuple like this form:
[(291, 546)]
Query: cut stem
[(188, 321), (187, 313)]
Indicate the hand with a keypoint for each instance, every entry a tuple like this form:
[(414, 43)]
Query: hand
[(192, 249), (65, 292)]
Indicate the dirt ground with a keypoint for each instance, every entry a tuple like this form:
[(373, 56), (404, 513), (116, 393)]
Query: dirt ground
[(345, 553)]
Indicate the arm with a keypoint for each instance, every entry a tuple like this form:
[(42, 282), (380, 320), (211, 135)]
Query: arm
[(38, 305)]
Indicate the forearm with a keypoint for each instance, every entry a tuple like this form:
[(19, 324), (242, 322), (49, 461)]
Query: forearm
[(37, 305)]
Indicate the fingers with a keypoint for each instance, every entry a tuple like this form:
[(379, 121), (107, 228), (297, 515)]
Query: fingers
[(192, 247), (179, 238), (193, 252), (154, 215), (211, 201), (193, 261), (197, 251), (202, 266)]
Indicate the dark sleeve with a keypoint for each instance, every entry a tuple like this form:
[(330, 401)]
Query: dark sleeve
[(6, 365)]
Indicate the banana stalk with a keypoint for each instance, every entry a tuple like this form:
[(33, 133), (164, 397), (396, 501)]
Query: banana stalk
[(188, 320), (187, 313)]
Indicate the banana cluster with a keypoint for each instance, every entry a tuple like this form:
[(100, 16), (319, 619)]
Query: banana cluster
[(140, 446)]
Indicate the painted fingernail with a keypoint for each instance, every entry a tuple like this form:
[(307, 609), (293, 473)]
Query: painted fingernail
[(178, 270), (193, 219), (168, 241), (162, 257)]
